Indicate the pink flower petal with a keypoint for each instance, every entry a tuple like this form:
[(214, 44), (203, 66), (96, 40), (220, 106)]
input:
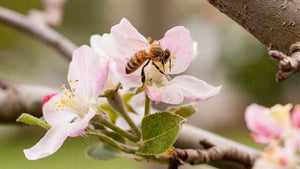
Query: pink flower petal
[(54, 117), (260, 139), (77, 128), (48, 97), (90, 70), (171, 94), (123, 31), (295, 117), (260, 122), (195, 89), (49, 144), (178, 40)]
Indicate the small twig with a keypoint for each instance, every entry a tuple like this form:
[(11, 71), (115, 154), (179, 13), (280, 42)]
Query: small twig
[(38, 29), (52, 14), (213, 149), (287, 65)]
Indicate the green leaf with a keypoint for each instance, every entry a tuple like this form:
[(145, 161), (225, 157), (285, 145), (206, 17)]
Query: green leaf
[(184, 110), (29, 119), (159, 132), (111, 113), (102, 151)]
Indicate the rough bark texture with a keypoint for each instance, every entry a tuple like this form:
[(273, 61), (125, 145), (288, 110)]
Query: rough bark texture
[(275, 23), (222, 152)]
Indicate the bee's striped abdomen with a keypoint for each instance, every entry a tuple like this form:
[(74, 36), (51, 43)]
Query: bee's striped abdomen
[(136, 61)]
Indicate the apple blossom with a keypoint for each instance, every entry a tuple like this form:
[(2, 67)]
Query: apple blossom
[(278, 128), (159, 87), (69, 113)]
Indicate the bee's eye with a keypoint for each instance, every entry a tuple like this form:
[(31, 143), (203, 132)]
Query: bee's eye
[(166, 54)]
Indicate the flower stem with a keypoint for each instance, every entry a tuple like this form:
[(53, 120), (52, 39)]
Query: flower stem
[(134, 128), (118, 130), (113, 143), (117, 103), (147, 104)]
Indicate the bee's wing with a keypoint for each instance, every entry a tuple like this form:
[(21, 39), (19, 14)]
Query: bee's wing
[(138, 44)]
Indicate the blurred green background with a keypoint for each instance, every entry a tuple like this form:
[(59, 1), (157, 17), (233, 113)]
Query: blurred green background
[(228, 55)]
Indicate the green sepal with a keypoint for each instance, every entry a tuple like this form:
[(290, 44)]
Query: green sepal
[(31, 120), (183, 110), (113, 116), (127, 97)]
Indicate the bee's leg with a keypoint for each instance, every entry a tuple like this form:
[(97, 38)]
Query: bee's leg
[(157, 67), (143, 72), (170, 65), (163, 64)]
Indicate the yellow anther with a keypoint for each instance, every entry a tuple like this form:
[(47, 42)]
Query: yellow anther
[(59, 106), (73, 89), (172, 65), (76, 80), (62, 109), (70, 81), (281, 113), (173, 57), (64, 101), (56, 102), (72, 95), (63, 86), (57, 109), (66, 91), (149, 39)]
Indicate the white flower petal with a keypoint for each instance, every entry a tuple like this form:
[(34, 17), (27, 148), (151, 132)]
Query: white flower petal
[(171, 94), (195, 89), (77, 128), (88, 73), (49, 144), (54, 115)]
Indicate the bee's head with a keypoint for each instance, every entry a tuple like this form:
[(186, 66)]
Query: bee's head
[(166, 55)]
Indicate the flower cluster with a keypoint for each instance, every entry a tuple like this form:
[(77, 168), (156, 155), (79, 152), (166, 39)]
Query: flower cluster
[(96, 70), (280, 130)]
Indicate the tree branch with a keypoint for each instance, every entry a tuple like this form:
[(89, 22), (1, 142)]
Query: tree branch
[(16, 99), (38, 29), (275, 23), (205, 147)]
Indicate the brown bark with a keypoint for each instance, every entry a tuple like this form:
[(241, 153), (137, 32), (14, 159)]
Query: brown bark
[(221, 152), (275, 23)]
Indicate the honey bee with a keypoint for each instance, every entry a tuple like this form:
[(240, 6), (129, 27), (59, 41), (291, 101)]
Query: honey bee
[(147, 53)]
